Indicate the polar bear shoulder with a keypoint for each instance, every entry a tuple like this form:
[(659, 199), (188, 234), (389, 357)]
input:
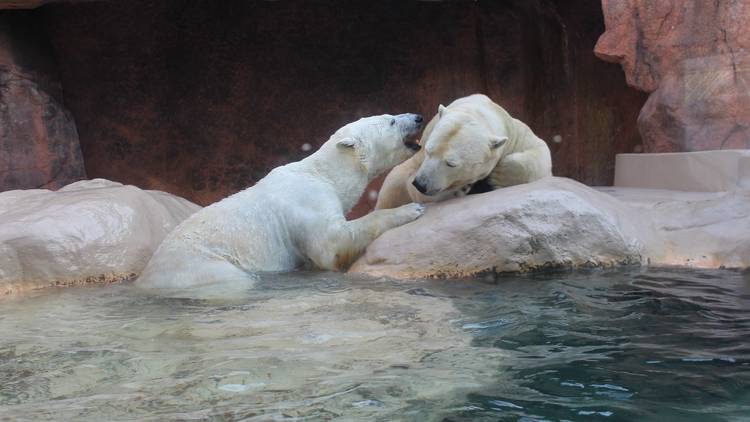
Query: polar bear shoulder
[(472, 139)]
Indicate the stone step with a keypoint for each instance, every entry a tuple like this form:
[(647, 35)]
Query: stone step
[(702, 171)]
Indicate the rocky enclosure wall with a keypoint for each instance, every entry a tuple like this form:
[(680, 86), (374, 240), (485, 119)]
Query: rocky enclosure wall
[(693, 57), (202, 100)]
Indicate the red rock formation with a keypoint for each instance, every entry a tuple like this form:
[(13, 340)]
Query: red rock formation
[(693, 56), (703, 104), (38, 139)]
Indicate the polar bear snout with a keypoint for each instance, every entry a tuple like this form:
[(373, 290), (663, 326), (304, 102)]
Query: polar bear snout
[(410, 125), (419, 186)]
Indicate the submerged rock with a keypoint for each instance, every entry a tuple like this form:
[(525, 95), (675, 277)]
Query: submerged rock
[(88, 231), (551, 223)]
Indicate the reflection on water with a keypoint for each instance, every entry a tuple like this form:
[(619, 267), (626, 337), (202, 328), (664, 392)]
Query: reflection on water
[(615, 346)]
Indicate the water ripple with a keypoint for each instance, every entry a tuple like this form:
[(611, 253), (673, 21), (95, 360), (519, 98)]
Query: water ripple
[(632, 344)]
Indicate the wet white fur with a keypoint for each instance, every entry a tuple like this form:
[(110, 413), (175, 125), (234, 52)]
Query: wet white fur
[(295, 216)]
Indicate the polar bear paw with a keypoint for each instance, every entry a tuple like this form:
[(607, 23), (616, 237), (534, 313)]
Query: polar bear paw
[(410, 212)]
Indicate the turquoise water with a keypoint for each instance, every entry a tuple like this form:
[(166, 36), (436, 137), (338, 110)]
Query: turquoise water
[(626, 345)]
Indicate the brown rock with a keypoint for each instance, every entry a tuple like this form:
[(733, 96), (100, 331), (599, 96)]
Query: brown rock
[(693, 56), (38, 137)]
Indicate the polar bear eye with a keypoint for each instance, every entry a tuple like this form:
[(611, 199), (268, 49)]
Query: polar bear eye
[(393, 122), (450, 164)]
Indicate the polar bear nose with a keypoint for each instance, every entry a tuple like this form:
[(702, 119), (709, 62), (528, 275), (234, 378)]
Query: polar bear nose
[(418, 118), (420, 187)]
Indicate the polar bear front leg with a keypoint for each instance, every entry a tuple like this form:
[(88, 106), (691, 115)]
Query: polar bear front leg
[(344, 243), (393, 193), (521, 167)]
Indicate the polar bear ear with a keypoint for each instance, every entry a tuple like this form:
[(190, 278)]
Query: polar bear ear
[(497, 141), (347, 143), (441, 110)]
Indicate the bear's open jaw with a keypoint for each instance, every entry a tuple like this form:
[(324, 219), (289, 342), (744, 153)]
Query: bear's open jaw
[(411, 143)]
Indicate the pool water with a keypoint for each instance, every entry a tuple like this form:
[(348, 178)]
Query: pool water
[(626, 345)]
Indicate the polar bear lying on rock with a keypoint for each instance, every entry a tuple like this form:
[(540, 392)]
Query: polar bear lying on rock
[(471, 140), (294, 216)]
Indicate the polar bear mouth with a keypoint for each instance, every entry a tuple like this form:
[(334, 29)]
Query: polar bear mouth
[(411, 143)]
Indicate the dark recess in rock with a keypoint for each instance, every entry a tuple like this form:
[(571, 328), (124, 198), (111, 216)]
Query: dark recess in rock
[(38, 139)]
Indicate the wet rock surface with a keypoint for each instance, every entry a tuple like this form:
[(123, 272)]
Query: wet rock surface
[(93, 231)]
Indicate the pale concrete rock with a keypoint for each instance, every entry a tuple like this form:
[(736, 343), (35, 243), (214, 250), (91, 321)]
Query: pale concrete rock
[(695, 229), (701, 171), (551, 223), (559, 223), (698, 204), (88, 231)]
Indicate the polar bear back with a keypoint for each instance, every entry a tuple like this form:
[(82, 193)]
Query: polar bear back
[(258, 229)]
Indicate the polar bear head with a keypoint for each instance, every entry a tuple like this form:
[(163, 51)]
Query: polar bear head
[(380, 142), (459, 151)]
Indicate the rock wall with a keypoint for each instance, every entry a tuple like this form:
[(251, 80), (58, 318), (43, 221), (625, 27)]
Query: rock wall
[(38, 138), (202, 101), (692, 55)]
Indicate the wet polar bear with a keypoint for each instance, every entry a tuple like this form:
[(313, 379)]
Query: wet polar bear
[(471, 140), (294, 216)]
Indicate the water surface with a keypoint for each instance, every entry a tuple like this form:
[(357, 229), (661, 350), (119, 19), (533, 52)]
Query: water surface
[(641, 345)]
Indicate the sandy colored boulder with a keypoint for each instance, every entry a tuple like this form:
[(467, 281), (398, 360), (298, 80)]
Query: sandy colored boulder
[(559, 223), (88, 231), (551, 223)]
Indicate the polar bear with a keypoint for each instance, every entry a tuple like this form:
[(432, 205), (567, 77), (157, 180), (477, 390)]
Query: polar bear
[(471, 140), (294, 216)]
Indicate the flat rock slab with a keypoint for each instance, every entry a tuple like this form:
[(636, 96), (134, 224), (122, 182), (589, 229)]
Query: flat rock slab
[(88, 231), (560, 223), (694, 229)]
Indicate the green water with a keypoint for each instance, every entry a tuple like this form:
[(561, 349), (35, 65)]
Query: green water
[(628, 345)]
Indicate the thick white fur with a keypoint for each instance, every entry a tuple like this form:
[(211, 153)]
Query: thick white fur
[(482, 140), (292, 217)]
